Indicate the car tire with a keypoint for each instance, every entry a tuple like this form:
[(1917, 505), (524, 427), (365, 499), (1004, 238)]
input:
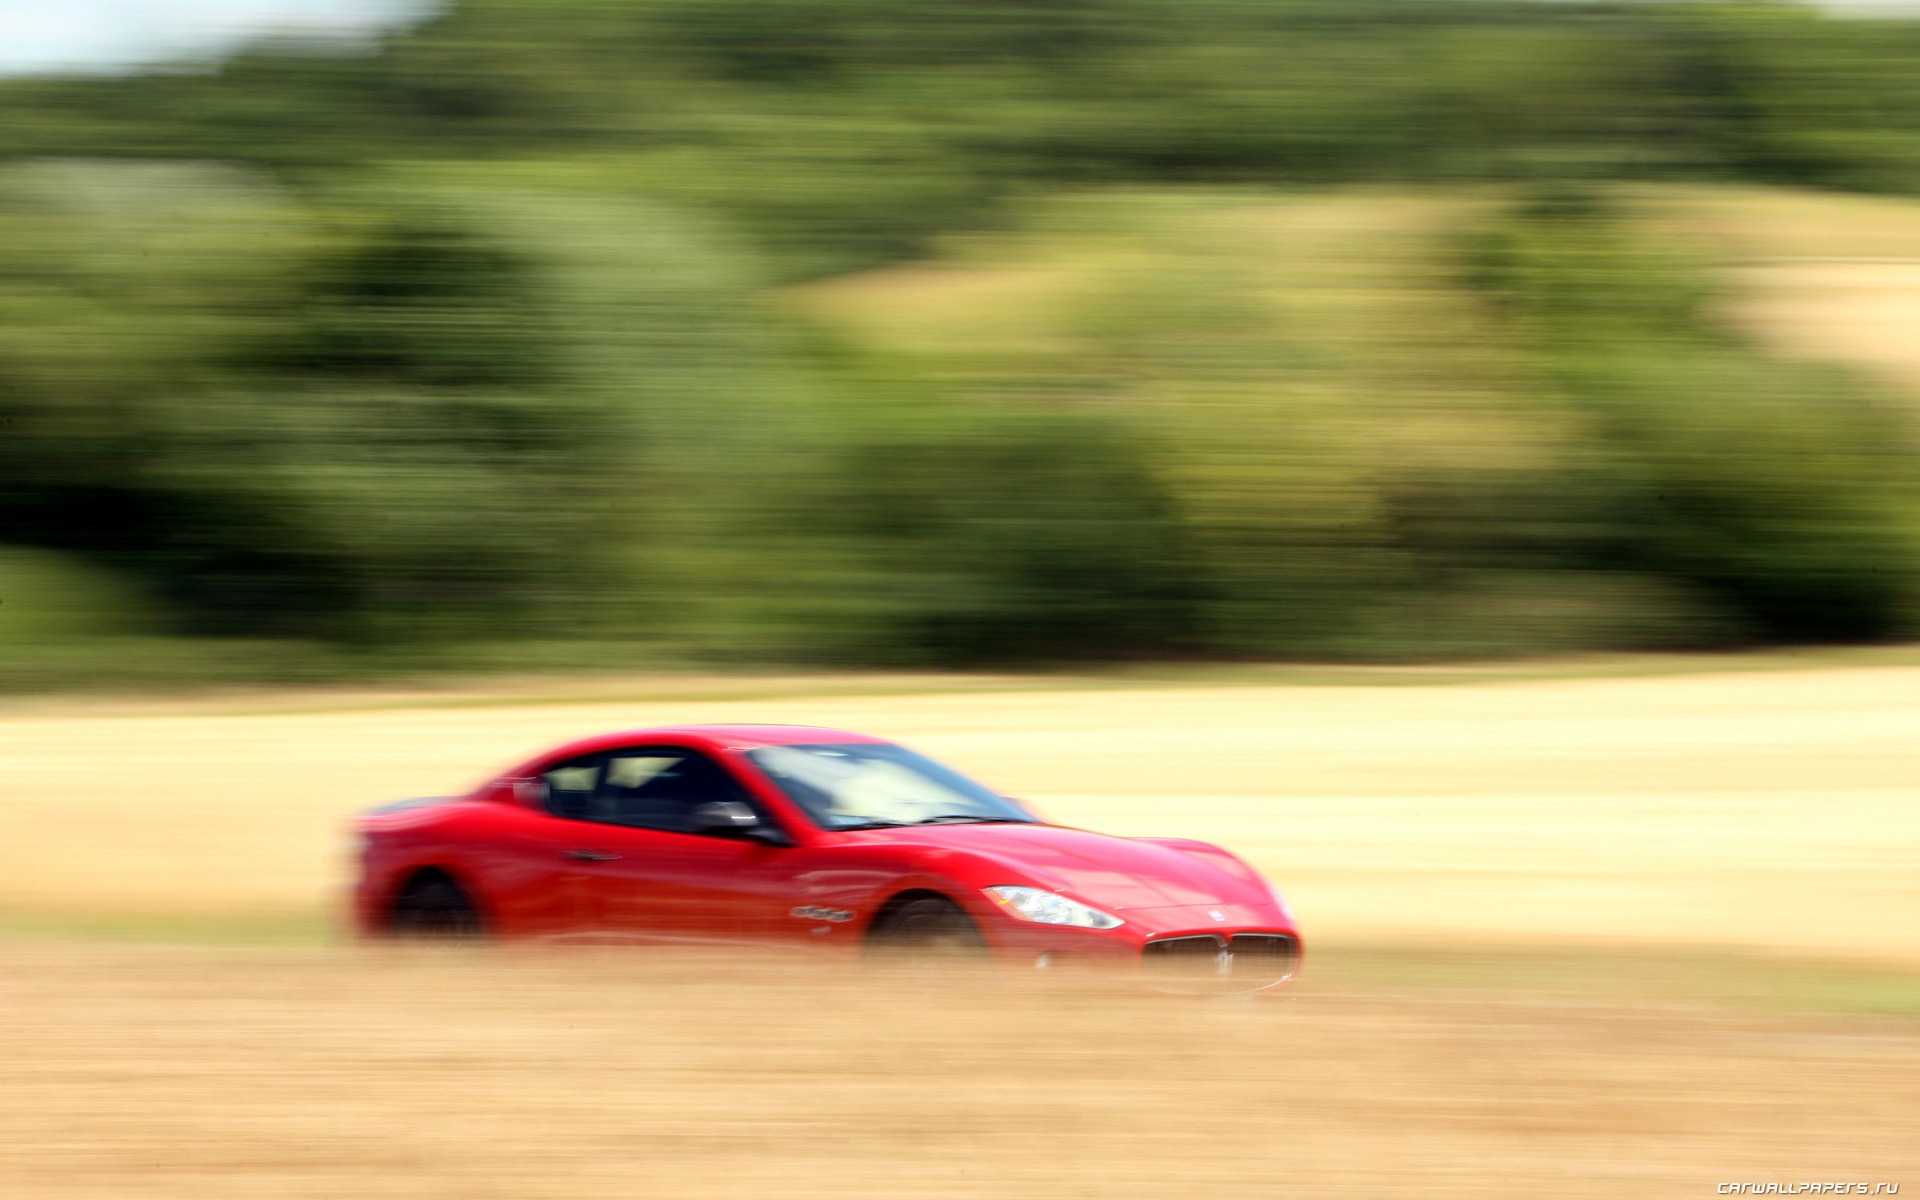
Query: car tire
[(434, 908), (928, 930)]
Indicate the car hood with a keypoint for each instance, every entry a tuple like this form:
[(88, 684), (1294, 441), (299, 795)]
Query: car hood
[(1113, 872)]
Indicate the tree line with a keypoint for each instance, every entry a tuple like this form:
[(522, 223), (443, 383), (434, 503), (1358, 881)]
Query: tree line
[(480, 335)]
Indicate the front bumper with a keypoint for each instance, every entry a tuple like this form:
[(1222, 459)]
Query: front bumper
[(1211, 964), (1186, 950)]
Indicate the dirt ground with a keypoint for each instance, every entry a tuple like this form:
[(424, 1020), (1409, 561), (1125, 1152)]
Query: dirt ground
[(167, 1074)]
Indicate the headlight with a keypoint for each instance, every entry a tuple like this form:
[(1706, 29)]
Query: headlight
[(1046, 908)]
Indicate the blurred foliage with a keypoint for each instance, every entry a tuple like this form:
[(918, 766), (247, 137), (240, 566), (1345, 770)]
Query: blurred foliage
[(1387, 427), (482, 337), (409, 411), (1781, 494), (843, 134), (49, 597)]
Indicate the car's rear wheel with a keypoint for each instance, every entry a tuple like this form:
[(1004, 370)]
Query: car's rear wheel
[(432, 907), (928, 929)]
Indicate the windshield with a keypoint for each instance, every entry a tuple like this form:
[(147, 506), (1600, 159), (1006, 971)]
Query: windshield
[(866, 785)]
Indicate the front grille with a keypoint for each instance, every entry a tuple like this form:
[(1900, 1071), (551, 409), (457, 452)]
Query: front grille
[(1209, 963)]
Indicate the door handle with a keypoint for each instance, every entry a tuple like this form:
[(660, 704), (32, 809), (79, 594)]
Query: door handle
[(589, 855)]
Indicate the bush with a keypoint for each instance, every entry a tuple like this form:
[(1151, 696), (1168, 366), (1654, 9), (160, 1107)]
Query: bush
[(1781, 494)]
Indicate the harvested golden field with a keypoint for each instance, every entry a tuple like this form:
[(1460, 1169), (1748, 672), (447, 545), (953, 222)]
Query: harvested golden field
[(1823, 276), (254, 1075), (1768, 810)]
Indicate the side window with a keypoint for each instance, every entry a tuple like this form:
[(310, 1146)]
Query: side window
[(567, 790), (658, 787)]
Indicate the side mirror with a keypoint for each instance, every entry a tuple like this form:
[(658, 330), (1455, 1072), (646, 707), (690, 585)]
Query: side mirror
[(729, 818)]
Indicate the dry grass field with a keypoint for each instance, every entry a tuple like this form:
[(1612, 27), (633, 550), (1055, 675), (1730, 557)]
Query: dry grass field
[(240, 1075), (1540, 913), (1822, 276), (1773, 811)]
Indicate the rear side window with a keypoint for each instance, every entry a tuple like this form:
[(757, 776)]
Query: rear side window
[(658, 787), (567, 790)]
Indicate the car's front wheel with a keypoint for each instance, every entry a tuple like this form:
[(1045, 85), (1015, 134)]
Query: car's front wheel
[(928, 929), (432, 907)]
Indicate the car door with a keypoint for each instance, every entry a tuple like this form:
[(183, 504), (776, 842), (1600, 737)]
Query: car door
[(537, 884), (652, 876)]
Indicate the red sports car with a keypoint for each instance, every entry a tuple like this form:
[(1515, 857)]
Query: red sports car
[(810, 838)]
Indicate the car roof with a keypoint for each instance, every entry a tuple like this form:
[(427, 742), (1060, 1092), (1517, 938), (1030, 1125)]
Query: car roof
[(737, 736), (764, 735)]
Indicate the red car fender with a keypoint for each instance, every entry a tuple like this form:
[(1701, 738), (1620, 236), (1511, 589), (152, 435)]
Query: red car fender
[(399, 860), (968, 898), (382, 889)]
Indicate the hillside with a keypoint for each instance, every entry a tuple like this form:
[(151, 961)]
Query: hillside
[(1307, 329), (1826, 276), (1820, 275)]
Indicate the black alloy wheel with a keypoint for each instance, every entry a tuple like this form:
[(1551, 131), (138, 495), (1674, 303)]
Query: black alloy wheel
[(929, 930), (435, 908)]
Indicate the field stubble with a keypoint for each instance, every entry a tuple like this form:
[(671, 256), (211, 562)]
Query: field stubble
[(259, 1074)]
